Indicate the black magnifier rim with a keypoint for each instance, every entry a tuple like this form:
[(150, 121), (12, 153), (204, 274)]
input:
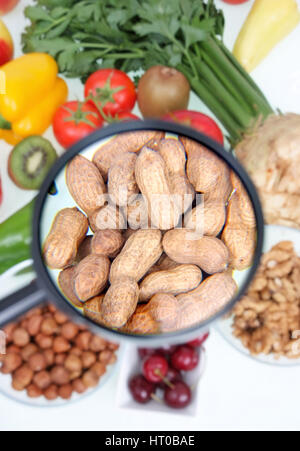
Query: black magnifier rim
[(43, 277)]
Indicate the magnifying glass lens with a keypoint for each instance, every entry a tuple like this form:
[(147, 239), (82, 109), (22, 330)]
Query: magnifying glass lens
[(150, 233)]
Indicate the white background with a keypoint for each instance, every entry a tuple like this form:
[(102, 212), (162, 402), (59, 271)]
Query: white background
[(236, 393)]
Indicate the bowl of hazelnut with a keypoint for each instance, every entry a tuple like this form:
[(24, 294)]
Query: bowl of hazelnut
[(48, 361)]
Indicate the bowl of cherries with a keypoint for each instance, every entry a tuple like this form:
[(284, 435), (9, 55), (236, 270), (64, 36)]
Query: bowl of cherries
[(163, 379)]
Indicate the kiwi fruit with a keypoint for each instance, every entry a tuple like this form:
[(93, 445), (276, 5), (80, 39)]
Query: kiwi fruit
[(30, 162)]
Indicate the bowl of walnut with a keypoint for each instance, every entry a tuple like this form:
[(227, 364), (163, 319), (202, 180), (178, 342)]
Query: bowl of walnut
[(265, 324)]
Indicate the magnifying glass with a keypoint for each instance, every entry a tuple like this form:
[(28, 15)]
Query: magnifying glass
[(155, 232)]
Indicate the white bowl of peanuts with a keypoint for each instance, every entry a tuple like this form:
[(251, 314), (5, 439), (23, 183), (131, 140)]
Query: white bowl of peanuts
[(265, 324)]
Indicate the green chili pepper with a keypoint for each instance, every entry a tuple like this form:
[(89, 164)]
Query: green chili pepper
[(15, 238)]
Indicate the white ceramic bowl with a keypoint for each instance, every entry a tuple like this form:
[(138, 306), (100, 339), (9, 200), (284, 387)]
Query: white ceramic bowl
[(22, 398), (273, 235)]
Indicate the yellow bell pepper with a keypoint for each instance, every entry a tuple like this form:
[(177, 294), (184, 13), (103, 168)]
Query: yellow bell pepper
[(269, 22), (33, 93)]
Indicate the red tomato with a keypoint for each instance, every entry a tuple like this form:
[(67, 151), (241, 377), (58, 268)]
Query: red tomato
[(7, 5), (199, 121), (235, 2), (127, 117), (111, 91), (74, 121)]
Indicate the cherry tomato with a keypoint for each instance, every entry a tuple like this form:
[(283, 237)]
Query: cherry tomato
[(111, 91), (235, 2), (74, 121), (199, 121)]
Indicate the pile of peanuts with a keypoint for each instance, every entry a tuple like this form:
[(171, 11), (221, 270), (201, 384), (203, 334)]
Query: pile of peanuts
[(130, 252), (47, 355), (267, 320)]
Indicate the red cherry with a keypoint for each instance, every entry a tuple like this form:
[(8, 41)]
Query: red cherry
[(172, 376), (185, 358), (155, 368), (141, 389), (167, 350), (146, 352), (179, 396), (199, 341)]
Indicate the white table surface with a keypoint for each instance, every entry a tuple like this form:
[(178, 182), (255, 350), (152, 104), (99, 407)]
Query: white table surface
[(237, 393)]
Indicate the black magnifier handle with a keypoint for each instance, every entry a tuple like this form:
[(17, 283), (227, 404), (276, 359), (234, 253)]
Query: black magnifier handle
[(19, 303)]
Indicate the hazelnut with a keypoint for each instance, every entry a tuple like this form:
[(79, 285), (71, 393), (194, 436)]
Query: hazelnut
[(37, 362), (73, 363), (61, 345), (88, 359), (49, 327), (28, 351), (59, 375), (99, 369), (44, 342), (42, 380), (60, 359), (21, 337), (83, 341), (22, 377), (90, 379), (49, 356), (69, 331), (78, 386), (33, 391), (60, 318), (97, 344), (34, 325), (105, 356), (65, 391), (51, 393), (11, 362)]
